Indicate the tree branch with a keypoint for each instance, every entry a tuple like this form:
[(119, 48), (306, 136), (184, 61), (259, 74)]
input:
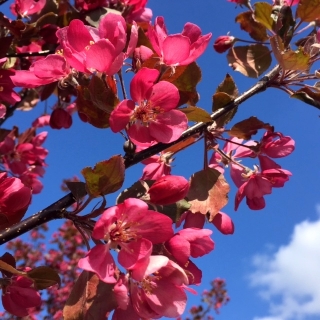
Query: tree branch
[(58, 209)]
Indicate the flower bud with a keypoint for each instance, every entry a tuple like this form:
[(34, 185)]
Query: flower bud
[(60, 118), (223, 223), (223, 43), (168, 189)]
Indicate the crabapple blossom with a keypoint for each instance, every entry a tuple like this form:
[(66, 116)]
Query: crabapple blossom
[(27, 7), (88, 49), (150, 282), (131, 227), (6, 85), (19, 295), (190, 242), (257, 184), (52, 68), (177, 49), (154, 118), (14, 201), (157, 166)]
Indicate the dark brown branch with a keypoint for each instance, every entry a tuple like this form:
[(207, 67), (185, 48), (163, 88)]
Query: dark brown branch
[(29, 54), (58, 209)]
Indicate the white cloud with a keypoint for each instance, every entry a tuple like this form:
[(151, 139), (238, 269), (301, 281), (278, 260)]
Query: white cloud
[(289, 279)]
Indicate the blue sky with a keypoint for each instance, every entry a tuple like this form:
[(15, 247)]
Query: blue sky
[(271, 263)]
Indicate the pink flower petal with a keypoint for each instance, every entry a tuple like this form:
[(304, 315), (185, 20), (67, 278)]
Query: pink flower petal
[(120, 116), (172, 55), (100, 261)]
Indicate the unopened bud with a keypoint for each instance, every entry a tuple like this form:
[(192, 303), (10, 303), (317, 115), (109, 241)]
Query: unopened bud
[(223, 223), (223, 43), (168, 189)]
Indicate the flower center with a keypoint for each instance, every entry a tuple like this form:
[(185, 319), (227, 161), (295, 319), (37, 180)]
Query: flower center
[(146, 113), (121, 231)]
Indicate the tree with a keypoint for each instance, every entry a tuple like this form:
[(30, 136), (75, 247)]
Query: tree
[(165, 77)]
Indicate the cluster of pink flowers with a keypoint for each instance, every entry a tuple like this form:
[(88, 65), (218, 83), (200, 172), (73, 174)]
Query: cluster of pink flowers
[(156, 260), (24, 156), (253, 184)]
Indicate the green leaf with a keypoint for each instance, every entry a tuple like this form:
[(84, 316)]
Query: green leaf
[(247, 128), (90, 298), (106, 177), (196, 114), (208, 192), (308, 10), (262, 14), (251, 60), (44, 277), (256, 30)]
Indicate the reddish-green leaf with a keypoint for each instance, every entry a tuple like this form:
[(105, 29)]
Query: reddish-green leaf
[(248, 127), (44, 277), (308, 10), (251, 60), (208, 192), (196, 114), (256, 30), (101, 96), (89, 112), (77, 188), (308, 96), (288, 59), (220, 100), (106, 177), (8, 268), (228, 86), (262, 14), (90, 298)]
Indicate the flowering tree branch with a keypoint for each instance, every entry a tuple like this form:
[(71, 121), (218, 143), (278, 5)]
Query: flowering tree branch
[(57, 210)]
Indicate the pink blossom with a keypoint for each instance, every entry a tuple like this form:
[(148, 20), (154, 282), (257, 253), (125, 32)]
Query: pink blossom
[(41, 121), (157, 166), (190, 242), (27, 7), (14, 201), (276, 145), (150, 283), (168, 189), (3, 111), (154, 118), (90, 5), (88, 49), (192, 220), (257, 184), (19, 296), (131, 227), (286, 2), (53, 68), (178, 49), (6, 85)]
